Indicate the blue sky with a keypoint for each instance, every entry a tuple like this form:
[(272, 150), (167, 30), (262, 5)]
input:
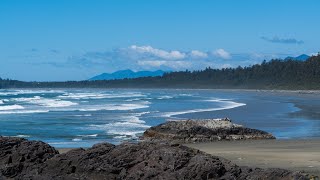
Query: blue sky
[(55, 40)]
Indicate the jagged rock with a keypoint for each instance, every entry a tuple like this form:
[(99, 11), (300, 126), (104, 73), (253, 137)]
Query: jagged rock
[(19, 156), (188, 131), (145, 160)]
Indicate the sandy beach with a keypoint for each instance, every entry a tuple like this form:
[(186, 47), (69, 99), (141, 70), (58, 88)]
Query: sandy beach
[(297, 155)]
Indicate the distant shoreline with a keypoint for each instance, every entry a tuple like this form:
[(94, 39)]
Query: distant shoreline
[(302, 91)]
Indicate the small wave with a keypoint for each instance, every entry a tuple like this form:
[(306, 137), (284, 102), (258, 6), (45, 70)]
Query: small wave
[(188, 95), (24, 112), (18, 92), (83, 115), (142, 113), (90, 135), (77, 139), (226, 104), (98, 95), (11, 107), (120, 137), (62, 143), (120, 124), (116, 107), (128, 128), (132, 134), (53, 103), (165, 97), (1, 101), (22, 136)]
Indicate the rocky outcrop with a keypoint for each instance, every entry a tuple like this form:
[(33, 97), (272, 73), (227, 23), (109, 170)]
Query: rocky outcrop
[(189, 131), (19, 157), (22, 159)]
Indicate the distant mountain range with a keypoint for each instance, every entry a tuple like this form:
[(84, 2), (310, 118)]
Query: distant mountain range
[(302, 57), (127, 74)]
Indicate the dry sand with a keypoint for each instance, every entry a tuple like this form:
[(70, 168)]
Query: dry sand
[(297, 155)]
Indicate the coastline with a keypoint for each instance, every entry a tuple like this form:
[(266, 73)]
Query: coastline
[(296, 155)]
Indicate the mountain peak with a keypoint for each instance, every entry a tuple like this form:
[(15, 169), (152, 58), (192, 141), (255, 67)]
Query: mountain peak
[(127, 73), (302, 57)]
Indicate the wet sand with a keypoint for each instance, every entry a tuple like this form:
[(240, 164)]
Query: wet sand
[(64, 150), (296, 155)]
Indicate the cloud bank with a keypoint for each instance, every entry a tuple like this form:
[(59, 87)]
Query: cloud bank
[(146, 57), (276, 39), (150, 58)]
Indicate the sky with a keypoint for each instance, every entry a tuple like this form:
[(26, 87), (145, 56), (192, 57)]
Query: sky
[(58, 40)]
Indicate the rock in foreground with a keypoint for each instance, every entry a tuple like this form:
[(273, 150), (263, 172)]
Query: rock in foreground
[(22, 159), (188, 131)]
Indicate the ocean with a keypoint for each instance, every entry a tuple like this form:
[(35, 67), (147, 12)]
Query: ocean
[(68, 118)]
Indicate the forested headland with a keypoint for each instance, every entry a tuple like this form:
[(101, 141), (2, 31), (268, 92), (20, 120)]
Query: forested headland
[(274, 74)]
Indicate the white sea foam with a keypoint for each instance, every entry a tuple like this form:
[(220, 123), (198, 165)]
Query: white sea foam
[(224, 103), (83, 115), (115, 107), (119, 137), (98, 95), (53, 103), (22, 136), (129, 125), (1, 101), (90, 135), (24, 112), (11, 107), (77, 139), (25, 91), (142, 113), (165, 97), (186, 95), (138, 99)]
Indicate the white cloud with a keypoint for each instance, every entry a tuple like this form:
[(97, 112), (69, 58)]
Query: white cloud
[(151, 63), (222, 54), (160, 63), (198, 54), (158, 52)]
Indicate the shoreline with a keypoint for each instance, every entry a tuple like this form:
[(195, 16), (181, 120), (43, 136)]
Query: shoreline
[(296, 155)]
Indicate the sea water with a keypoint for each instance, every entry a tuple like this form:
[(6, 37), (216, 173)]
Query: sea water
[(82, 117)]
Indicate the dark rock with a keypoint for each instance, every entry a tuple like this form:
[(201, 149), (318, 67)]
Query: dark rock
[(145, 160), (19, 156), (188, 131)]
